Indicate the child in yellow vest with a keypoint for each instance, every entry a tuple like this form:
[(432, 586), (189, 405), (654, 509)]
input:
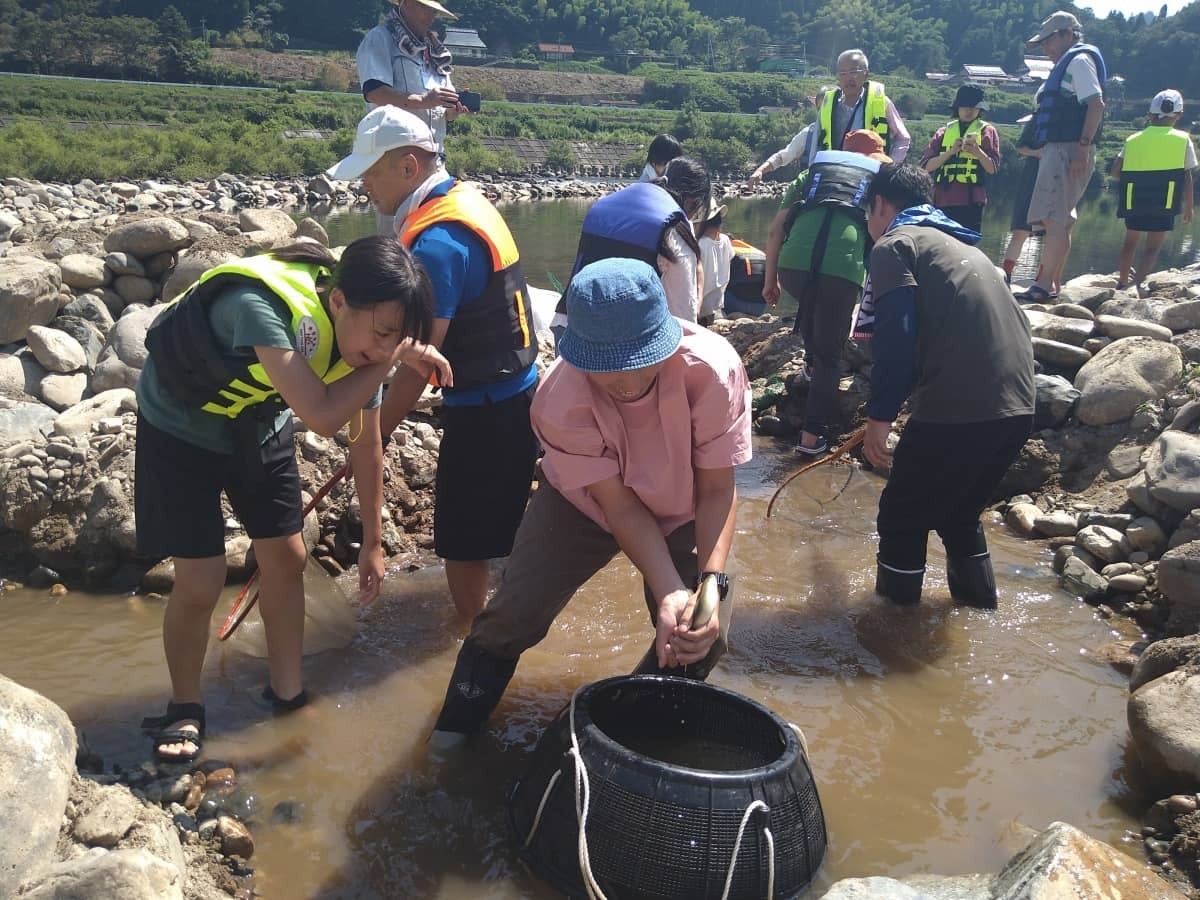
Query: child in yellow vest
[(1155, 172)]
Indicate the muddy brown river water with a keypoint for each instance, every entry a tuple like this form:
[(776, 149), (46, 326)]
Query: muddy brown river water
[(931, 730)]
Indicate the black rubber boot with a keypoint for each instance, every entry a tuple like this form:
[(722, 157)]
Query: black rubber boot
[(972, 581), (902, 588), (475, 689)]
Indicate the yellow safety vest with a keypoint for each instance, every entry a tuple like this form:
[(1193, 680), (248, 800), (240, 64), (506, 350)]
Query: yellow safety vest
[(193, 368), (1152, 172), (874, 116), (962, 167)]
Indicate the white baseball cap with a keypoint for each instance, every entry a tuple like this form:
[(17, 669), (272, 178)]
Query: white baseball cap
[(382, 129), (1166, 103)]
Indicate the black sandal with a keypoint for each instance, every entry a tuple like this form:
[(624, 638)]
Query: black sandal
[(281, 707), (162, 735)]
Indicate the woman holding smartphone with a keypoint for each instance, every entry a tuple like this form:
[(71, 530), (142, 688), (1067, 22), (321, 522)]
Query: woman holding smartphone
[(960, 156)]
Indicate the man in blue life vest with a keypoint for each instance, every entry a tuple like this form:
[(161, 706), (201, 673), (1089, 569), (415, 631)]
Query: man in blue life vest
[(483, 323), (859, 103), (1070, 106), (1155, 170)]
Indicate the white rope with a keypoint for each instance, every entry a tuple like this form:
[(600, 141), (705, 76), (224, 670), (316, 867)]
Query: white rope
[(803, 740), (582, 808), (737, 846), (537, 819)]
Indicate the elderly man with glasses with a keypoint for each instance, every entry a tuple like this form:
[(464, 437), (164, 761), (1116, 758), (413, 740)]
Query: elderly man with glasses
[(859, 103), (1070, 106)]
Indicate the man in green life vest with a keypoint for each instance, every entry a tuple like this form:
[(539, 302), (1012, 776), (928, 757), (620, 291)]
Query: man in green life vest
[(960, 156), (1155, 172), (859, 103)]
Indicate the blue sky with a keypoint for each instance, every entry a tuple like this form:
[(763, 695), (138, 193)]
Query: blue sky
[(1130, 7)]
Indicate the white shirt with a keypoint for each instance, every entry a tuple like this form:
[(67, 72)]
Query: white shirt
[(648, 173), (798, 149), (681, 278), (379, 58), (716, 255), (1080, 79)]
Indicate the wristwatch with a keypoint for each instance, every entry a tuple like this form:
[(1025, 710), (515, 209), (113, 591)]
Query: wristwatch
[(722, 582), (1085, 142)]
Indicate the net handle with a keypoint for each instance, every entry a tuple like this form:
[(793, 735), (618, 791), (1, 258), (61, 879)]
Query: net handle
[(849, 444)]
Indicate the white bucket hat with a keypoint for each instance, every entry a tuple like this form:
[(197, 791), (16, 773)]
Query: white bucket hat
[(382, 129)]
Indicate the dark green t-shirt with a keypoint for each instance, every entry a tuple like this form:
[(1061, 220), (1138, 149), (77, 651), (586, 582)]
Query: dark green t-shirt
[(844, 248), (974, 351), (242, 316)]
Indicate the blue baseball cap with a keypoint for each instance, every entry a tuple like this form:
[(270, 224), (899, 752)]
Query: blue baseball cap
[(617, 318)]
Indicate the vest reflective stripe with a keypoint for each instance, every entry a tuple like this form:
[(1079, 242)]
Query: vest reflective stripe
[(491, 337), (962, 167), (195, 370), (1059, 116), (1152, 172), (874, 116)]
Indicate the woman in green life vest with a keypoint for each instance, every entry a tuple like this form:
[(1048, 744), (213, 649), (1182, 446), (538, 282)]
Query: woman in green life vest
[(960, 156), (250, 342)]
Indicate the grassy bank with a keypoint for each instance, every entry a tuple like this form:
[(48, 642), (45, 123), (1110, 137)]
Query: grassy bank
[(65, 130)]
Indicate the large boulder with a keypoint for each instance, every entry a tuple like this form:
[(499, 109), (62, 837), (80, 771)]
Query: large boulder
[(915, 887), (91, 309), (1116, 327), (128, 337), (20, 373), (190, 267), (1089, 291), (37, 763), (1165, 729), (274, 222), (1163, 657), (83, 272), (1056, 353), (56, 350), (23, 420), (1131, 306), (1173, 470), (78, 420), (1063, 863), (1179, 581), (102, 875), (1124, 375), (1060, 328), (90, 338), (1104, 543), (28, 295), (1189, 344), (111, 374), (1182, 316), (135, 289), (1056, 398), (147, 237), (61, 392)]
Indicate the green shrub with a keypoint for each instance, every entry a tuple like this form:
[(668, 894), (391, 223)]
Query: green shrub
[(560, 155)]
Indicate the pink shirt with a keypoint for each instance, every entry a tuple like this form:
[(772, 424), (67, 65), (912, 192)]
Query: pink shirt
[(697, 416)]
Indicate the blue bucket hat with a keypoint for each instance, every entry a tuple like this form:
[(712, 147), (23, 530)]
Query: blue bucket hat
[(617, 318)]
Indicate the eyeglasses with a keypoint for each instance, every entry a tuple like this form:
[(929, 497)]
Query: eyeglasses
[(859, 71)]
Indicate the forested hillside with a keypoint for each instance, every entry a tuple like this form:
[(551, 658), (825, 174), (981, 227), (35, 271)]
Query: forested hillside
[(156, 37)]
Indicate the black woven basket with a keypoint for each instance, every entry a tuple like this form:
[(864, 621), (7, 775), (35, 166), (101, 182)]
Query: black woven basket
[(672, 765)]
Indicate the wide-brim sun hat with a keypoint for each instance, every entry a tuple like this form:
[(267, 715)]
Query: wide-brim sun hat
[(382, 129), (713, 210), (432, 4), (617, 318)]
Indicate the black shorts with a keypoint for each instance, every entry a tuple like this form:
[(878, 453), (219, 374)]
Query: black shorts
[(485, 468), (1149, 223), (177, 493)]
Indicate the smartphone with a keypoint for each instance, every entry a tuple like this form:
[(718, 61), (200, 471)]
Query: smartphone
[(470, 99)]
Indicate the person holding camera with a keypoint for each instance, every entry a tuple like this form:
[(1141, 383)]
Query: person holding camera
[(960, 156)]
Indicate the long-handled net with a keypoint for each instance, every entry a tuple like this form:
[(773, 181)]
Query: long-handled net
[(831, 481), (241, 606)]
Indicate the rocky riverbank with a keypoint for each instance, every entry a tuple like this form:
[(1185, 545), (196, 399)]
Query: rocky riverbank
[(1108, 489)]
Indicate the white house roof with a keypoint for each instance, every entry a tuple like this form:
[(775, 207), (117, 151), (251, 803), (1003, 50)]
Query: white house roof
[(985, 71), (463, 37)]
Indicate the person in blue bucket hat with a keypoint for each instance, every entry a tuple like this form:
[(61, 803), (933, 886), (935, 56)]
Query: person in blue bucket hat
[(643, 418)]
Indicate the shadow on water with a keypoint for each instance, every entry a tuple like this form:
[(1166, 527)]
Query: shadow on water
[(930, 728)]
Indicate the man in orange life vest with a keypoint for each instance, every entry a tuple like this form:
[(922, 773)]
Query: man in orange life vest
[(483, 323)]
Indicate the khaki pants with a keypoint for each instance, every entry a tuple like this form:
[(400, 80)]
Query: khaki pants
[(556, 551)]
